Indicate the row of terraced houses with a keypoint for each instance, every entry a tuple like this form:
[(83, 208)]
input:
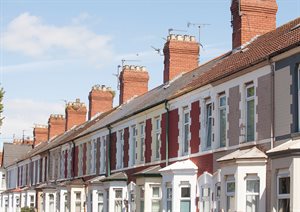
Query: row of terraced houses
[(219, 136)]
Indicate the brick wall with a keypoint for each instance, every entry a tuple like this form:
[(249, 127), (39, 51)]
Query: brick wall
[(75, 114), (56, 125), (148, 141), (195, 127)]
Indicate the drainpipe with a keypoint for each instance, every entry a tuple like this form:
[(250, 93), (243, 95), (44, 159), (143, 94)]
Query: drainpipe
[(167, 132), (73, 160), (273, 102), (108, 149)]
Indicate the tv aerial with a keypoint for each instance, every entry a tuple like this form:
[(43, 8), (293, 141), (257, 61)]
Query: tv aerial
[(199, 26), (158, 50), (123, 61), (175, 30)]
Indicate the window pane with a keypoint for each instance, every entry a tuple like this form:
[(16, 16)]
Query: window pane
[(208, 125), (155, 191), (118, 194), (155, 205), (205, 192), (284, 205), (118, 206), (142, 206), (222, 123), (250, 120), (253, 186), (252, 203), (185, 206), (230, 203), (169, 206), (222, 101), (169, 193), (284, 185), (250, 92), (185, 192), (100, 207), (186, 138), (100, 197), (186, 118), (230, 187)]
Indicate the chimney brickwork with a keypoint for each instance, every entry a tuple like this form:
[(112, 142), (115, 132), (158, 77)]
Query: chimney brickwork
[(251, 18), (181, 55), (40, 134), (100, 100), (133, 82), (75, 114), (56, 125)]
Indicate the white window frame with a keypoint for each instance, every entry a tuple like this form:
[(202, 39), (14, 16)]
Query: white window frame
[(103, 155), (157, 138), (69, 164), (133, 142), (247, 99), (282, 196), (100, 201), (77, 201), (142, 198), (185, 198), (220, 108), (142, 142), (253, 178), (230, 194), (204, 199), (155, 198), (185, 123), (118, 198), (120, 149), (207, 117), (169, 194)]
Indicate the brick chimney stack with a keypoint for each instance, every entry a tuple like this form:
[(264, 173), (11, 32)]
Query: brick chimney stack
[(133, 82), (251, 18), (181, 55), (100, 100), (75, 114), (40, 134), (56, 125)]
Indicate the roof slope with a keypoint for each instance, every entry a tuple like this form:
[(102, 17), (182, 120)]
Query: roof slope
[(293, 145), (12, 152), (252, 153)]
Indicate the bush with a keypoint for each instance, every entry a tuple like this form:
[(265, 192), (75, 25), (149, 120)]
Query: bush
[(27, 209)]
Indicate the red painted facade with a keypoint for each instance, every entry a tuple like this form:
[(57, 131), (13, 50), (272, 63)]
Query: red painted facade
[(204, 163), (195, 127), (126, 147), (148, 141)]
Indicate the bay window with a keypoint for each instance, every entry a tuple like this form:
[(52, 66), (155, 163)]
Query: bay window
[(142, 200), (155, 199), (185, 199), (169, 199), (78, 201), (51, 202), (283, 193), (218, 196), (222, 121), (205, 198), (250, 112), (100, 202), (252, 195), (186, 131)]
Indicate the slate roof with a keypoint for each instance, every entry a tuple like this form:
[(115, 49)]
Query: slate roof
[(291, 145), (251, 153), (180, 165), (13, 152), (260, 49), (150, 171)]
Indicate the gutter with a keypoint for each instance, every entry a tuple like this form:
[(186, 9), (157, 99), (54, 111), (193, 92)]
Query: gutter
[(167, 132), (108, 142)]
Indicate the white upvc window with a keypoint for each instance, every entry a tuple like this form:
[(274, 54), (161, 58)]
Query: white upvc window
[(218, 196), (118, 200), (157, 138), (31, 201), (283, 193), (103, 155), (208, 125), (169, 199), (185, 199), (230, 194), (250, 112), (107, 200), (51, 202), (133, 145), (252, 194), (142, 198), (142, 142), (155, 199), (185, 131), (222, 120), (205, 198), (80, 159), (100, 202), (120, 149), (66, 206), (77, 201)]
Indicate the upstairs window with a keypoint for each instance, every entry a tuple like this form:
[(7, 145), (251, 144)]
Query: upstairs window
[(120, 149), (186, 131), (222, 121), (142, 142), (208, 124), (80, 159), (133, 145), (157, 138), (103, 155), (250, 112)]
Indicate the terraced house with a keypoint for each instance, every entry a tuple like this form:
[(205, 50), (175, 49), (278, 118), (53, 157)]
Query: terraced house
[(219, 136)]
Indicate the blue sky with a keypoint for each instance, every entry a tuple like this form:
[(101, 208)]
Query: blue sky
[(53, 51)]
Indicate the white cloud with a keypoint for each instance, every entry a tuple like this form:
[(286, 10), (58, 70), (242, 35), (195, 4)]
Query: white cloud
[(27, 34), (22, 114)]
